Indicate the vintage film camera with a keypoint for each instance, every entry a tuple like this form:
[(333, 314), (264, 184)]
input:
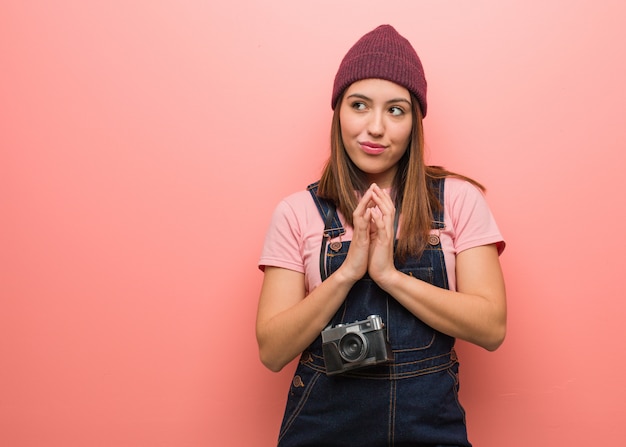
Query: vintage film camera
[(354, 345)]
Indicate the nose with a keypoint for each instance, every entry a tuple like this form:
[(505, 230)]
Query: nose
[(376, 125)]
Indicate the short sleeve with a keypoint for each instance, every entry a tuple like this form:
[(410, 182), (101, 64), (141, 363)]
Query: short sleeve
[(282, 246), (472, 220)]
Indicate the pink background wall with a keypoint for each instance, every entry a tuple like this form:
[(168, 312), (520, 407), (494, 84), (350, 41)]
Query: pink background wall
[(144, 145)]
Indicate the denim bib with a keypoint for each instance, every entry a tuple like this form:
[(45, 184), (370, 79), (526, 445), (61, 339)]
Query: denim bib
[(412, 400)]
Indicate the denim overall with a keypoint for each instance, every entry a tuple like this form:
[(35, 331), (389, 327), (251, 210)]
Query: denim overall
[(411, 401)]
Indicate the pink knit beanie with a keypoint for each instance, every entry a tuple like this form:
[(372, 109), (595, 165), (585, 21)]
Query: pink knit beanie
[(383, 54)]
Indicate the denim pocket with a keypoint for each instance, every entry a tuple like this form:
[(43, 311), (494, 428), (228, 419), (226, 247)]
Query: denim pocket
[(406, 331), (422, 273)]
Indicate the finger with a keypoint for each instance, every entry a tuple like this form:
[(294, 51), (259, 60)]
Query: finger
[(364, 202), (362, 225), (383, 200), (381, 227), (387, 211)]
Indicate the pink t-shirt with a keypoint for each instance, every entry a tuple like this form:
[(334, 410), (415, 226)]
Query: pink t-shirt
[(294, 238)]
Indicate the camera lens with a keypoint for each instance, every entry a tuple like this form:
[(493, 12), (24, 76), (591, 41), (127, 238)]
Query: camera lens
[(352, 347)]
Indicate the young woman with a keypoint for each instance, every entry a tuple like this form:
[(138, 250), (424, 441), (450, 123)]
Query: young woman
[(374, 271)]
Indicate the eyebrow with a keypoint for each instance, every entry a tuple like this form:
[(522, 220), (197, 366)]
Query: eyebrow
[(391, 101)]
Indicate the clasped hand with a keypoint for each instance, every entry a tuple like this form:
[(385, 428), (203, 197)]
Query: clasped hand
[(371, 249)]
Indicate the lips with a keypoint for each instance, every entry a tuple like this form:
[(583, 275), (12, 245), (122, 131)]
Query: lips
[(372, 148)]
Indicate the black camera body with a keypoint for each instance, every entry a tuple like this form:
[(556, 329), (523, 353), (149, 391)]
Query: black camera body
[(355, 345)]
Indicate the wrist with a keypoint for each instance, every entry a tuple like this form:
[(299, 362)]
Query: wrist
[(389, 280), (343, 278)]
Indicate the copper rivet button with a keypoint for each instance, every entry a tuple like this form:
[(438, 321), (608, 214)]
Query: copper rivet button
[(297, 382), (335, 246), (433, 239)]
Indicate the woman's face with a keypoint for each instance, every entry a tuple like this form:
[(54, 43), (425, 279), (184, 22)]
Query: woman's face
[(376, 122)]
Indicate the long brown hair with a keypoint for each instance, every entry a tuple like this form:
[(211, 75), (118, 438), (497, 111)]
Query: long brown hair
[(412, 193)]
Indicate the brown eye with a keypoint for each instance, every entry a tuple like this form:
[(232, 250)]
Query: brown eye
[(396, 111)]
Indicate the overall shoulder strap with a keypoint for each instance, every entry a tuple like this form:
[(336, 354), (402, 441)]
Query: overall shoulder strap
[(332, 225), (438, 186)]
